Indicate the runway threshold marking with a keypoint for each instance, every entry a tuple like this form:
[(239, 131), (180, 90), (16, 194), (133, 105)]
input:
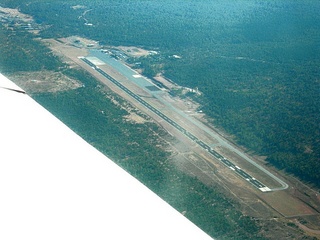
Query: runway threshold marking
[(226, 162)]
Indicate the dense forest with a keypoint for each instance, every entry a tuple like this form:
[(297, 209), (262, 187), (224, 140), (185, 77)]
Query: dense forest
[(92, 113), (26, 55), (255, 61), (125, 143)]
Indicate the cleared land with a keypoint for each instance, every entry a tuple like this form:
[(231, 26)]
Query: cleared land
[(44, 81), (297, 202)]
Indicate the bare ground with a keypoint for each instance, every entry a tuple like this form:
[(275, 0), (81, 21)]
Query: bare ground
[(134, 51), (44, 81), (278, 211)]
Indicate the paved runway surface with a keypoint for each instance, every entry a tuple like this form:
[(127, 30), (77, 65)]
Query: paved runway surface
[(202, 144)]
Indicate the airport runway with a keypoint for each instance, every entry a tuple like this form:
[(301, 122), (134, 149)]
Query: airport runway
[(202, 144)]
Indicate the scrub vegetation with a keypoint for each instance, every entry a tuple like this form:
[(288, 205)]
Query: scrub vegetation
[(256, 63), (20, 52), (125, 142), (91, 111)]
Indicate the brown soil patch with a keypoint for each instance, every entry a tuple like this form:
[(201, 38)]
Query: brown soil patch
[(165, 81), (197, 162), (134, 51), (44, 81), (311, 232), (133, 117), (14, 13), (286, 204)]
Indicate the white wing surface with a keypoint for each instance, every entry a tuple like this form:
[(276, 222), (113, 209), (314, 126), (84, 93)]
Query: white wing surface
[(54, 185)]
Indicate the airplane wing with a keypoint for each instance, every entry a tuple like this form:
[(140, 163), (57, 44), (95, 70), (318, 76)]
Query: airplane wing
[(54, 185)]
